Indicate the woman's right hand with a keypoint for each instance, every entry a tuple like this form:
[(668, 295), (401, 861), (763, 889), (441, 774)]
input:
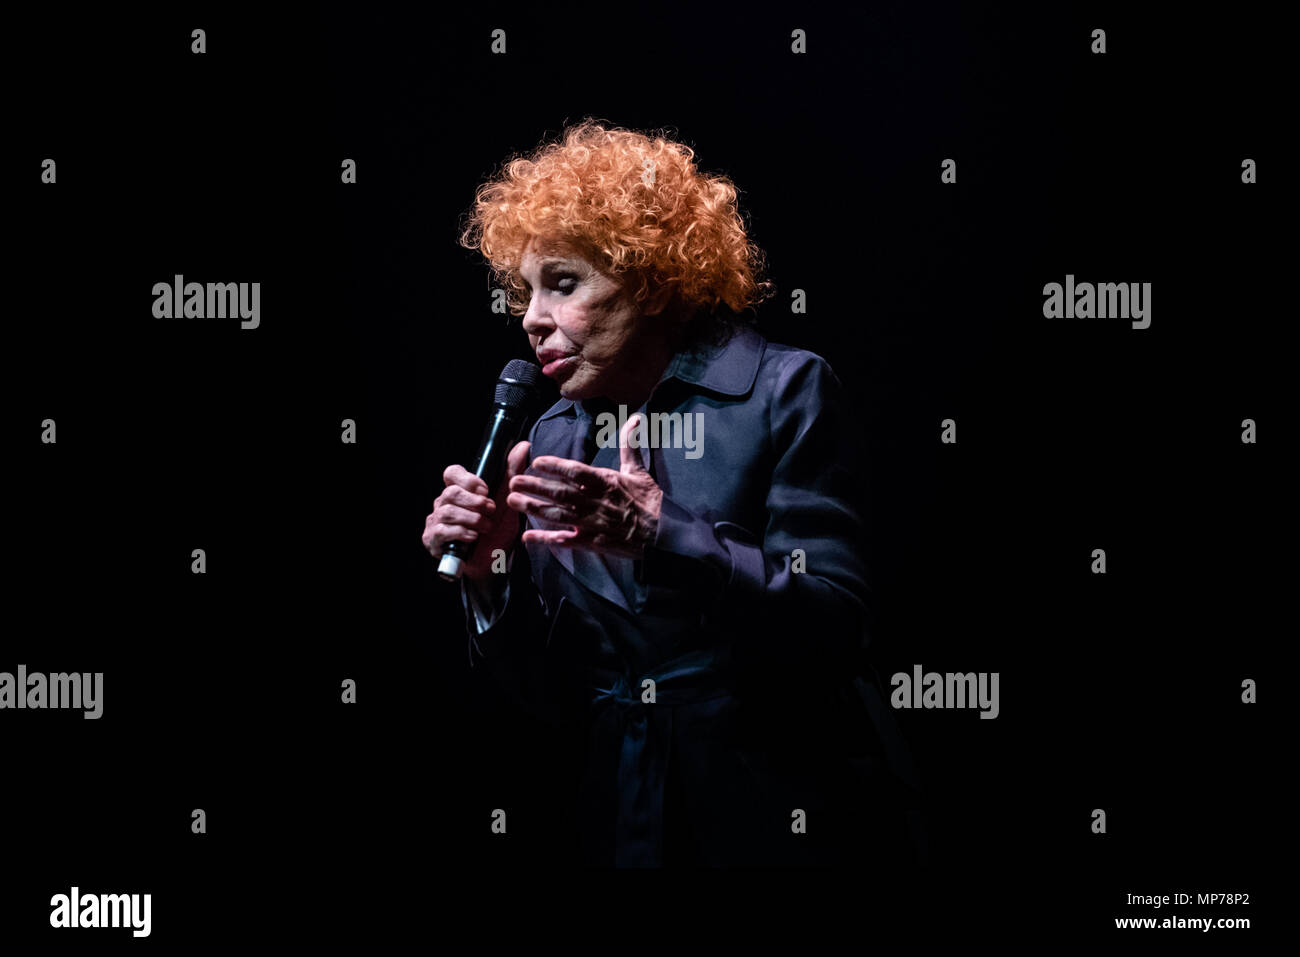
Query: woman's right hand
[(464, 513)]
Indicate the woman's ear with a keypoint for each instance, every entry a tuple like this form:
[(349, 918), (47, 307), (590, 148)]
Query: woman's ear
[(658, 302)]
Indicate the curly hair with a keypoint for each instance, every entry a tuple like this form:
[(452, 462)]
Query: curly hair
[(644, 213)]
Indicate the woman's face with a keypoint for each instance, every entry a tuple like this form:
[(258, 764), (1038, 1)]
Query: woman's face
[(588, 334)]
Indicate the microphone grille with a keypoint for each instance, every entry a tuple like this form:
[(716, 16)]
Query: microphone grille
[(516, 383)]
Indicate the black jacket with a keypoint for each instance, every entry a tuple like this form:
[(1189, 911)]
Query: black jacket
[(749, 614)]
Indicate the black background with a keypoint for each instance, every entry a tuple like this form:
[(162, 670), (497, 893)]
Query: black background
[(370, 822)]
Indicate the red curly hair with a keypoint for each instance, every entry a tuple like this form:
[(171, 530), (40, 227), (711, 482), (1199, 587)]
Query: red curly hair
[(639, 208)]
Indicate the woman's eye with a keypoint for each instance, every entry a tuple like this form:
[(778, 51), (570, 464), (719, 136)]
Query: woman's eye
[(562, 283)]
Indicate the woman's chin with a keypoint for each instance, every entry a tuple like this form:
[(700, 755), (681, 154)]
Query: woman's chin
[(575, 389)]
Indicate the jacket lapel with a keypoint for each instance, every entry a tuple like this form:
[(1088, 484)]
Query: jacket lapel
[(568, 430), (566, 436)]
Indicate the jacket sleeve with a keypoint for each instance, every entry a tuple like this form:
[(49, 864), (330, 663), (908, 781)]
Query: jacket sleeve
[(511, 652), (798, 587), (484, 606), (505, 624)]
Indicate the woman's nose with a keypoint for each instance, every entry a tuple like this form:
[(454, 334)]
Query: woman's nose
[(536, 324)]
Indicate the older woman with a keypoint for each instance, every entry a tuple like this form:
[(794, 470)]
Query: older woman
[(696, 611)]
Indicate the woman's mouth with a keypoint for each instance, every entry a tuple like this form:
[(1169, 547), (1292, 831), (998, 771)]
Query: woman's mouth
[(555, 365)]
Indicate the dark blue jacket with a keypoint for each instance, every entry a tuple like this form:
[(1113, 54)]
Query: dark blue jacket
[(749, 614)]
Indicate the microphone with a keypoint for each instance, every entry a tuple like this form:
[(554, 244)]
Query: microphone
[(513, 407)]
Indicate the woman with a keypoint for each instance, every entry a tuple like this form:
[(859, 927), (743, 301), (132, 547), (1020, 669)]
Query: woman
[(696, 609)]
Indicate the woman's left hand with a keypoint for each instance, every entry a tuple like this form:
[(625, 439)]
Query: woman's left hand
[(616, 512)]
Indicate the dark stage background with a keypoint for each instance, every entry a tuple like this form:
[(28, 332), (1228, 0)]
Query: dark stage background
[(369, 822)]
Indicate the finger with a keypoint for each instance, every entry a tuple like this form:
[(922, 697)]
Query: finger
[(564, 537), (576, 472), (517, 460), (459, 475), (577, 539), (560, 514), (553, 490), (455, 515), (453, 533), (629, 456), (521, 502), (458, 495)]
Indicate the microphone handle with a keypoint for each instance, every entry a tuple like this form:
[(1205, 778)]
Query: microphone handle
[(502, 434)]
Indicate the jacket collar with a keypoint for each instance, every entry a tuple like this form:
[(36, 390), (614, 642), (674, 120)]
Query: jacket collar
[(729, 369)]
